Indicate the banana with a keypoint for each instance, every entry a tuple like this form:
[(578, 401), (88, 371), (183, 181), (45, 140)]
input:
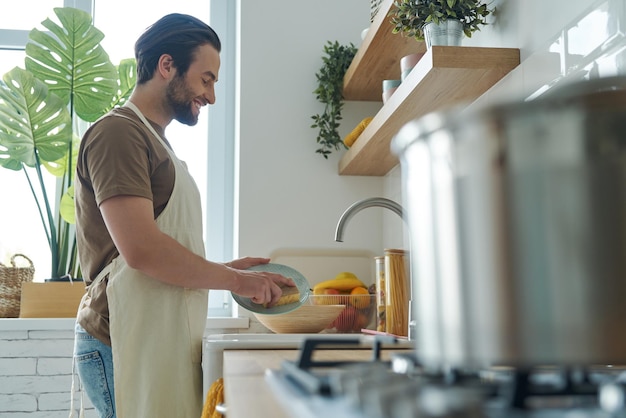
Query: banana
[(343, 281)]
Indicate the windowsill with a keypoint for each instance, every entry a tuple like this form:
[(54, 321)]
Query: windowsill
[(65, 324)]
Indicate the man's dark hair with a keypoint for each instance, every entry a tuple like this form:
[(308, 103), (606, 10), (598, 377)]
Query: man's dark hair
[(177, 35)]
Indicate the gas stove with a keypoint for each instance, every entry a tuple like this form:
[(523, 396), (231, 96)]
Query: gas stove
[(403, 388)]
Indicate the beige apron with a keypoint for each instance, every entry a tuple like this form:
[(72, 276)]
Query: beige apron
[(156, 328)]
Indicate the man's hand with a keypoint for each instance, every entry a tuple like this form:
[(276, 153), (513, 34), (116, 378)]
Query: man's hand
[(247, 262), (261, 287)]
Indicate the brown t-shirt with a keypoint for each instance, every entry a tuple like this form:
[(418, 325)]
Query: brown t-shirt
[(118, 156)]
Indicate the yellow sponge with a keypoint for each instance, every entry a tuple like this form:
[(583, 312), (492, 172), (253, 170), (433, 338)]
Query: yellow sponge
[(291, 294), (356, 132)]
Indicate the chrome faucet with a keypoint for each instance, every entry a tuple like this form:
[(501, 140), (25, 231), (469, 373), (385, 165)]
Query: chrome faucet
[(362, 204), (383, 203)]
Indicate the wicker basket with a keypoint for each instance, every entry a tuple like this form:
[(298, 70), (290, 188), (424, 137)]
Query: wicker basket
[(11, 279)]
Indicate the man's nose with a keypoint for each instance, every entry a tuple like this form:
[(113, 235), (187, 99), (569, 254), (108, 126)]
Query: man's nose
[(209, 96)]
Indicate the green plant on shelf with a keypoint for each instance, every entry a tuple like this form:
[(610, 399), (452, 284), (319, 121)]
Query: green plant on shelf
[(329, 92), (410, 16)]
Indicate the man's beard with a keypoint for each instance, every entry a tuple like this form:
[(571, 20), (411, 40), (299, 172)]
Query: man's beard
[(177, 96)]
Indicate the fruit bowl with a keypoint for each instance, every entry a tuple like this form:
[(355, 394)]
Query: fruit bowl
[(308, 318), (357, 313)]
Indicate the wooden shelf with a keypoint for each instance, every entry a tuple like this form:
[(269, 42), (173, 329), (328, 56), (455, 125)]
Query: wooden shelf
[(444, 77), (378, 58)]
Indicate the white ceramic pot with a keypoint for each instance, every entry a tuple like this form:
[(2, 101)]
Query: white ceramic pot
[(408, 62), (389, 87)]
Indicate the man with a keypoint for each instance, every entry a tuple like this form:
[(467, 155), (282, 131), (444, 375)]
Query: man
[(139, 328)]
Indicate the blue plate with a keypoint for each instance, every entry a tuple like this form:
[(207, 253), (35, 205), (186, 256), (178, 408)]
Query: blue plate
[(295, 275)]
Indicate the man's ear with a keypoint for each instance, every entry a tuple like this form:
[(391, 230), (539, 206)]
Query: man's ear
[(166, 66)]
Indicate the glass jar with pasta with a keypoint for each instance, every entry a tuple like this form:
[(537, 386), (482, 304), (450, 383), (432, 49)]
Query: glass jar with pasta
[(381, 289), (397, 292)]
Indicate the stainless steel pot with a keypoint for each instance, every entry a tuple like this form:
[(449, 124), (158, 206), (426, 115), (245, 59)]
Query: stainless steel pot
[(517, 219)]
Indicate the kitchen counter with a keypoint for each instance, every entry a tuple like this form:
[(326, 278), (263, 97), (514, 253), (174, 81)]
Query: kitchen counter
[(248, 394), (213, 347)]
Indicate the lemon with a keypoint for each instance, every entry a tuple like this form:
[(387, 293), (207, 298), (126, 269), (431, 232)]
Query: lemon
[(360, 297)]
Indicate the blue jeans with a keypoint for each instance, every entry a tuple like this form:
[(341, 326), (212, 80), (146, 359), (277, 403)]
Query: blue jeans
[(94, 362)]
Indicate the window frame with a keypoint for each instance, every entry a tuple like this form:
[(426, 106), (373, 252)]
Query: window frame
[(221, 158)]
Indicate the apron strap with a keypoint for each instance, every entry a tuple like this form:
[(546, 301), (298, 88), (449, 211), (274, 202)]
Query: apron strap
[(75, 378)]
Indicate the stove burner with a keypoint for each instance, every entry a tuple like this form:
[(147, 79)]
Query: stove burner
[(315, 383), (403, 388)]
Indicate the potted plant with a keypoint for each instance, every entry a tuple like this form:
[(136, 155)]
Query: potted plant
[(68, 81), (329, 92), (435, 20)]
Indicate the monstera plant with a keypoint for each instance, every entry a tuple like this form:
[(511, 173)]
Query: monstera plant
[(68, 81)]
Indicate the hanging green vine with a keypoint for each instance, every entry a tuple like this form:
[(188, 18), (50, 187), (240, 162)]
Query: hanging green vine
[(330, 92)]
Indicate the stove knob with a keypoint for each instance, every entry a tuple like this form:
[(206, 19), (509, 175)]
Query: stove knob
[(405, 364), (451, 402), (378, 401), (612, 397), (405, 407)]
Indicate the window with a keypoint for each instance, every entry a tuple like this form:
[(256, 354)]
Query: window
[(121, 29), (122, 22), (23, 18), (20, 228)]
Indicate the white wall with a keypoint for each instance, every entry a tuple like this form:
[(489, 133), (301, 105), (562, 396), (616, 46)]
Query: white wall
[(36, 373), (291, 197), (560, 41)]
